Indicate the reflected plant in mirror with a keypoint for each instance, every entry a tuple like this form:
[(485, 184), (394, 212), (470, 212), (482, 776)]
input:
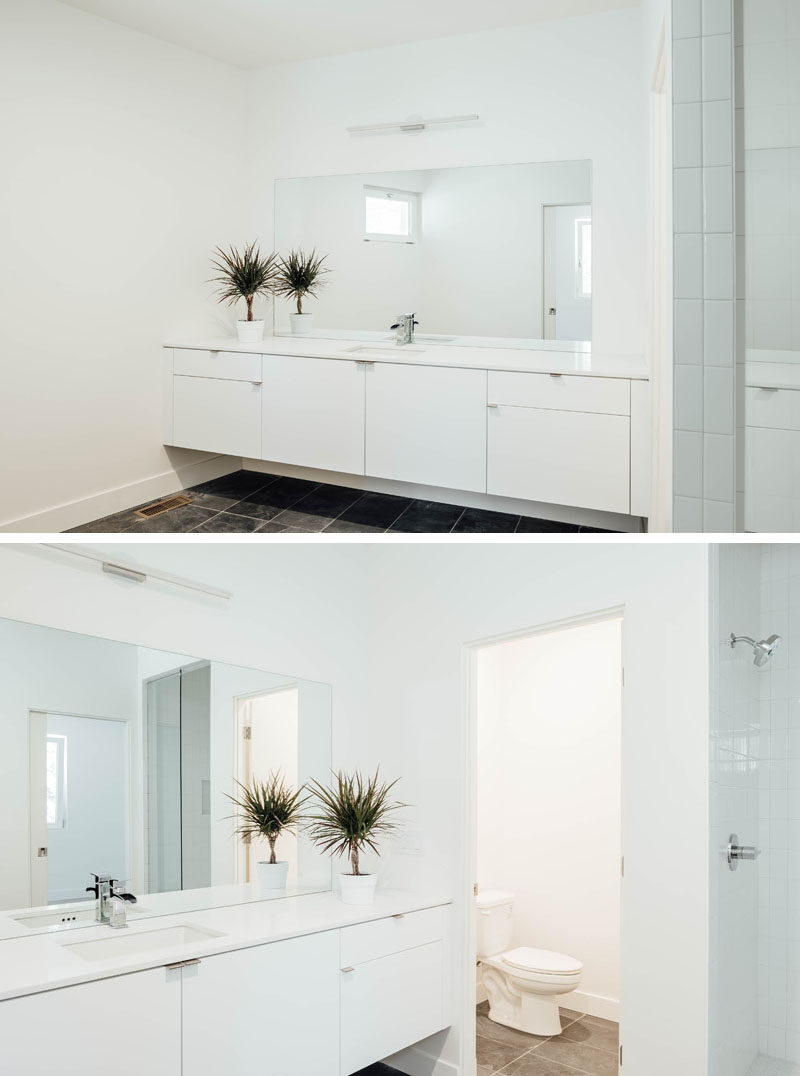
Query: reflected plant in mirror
[(300, 275), (268, 809), (349, 819), (245, 274)]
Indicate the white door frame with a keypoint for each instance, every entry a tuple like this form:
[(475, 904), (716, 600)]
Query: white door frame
[(469, 858), (549, 294), (37, 826)]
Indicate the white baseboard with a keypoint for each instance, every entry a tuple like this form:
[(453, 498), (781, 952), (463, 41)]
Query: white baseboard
[(63, 517), (560, 513), (415, 1062), (592, 1005)]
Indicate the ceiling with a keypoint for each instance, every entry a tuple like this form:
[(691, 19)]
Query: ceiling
[(253, 33)]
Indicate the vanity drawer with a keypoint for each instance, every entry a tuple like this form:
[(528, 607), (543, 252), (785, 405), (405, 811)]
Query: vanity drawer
[(229, 365), (561, 392), (382, 937), (773, 409)]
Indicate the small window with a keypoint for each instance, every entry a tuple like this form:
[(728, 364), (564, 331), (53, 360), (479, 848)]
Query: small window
[(390, 216), (583, 259), (56, 782)]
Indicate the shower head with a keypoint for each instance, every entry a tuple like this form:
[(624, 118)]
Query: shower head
[(762, 650)]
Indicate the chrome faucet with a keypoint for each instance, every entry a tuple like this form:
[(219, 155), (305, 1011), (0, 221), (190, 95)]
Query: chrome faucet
[(110, 906), (405, 326)]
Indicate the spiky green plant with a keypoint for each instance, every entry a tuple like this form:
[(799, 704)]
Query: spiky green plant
[(244, 274), (350, 817), (267, 809), (301, 274)]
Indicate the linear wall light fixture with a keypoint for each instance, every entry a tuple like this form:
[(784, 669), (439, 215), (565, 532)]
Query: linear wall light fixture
[(411, 125), (137, 575)]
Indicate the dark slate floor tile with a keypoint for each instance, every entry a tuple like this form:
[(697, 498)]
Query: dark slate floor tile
[(302, 521), (271, 528), (378, 510), (601, 1038), (226, 523), (481, 521), (214, 501), (238, 484), (342, 526), (278, 495), (534, 1064), (428, 517), (596, 530), (178, 521), (328, 501), (528, 525), (116, 524), (492, 1055), (579, 1056), (378, 1069)]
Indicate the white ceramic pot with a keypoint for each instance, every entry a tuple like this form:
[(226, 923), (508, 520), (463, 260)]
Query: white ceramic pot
[(250, 332), (272, 875), (301, 323), (357, 888)]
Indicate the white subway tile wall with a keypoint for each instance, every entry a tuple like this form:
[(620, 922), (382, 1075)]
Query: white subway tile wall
[(734, 800), (704, 265)]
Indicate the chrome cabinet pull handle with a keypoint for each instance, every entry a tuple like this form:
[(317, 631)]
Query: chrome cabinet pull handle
[(348, 970), (183, 964), (556, 375), (256, 384), (400, 915), (493, 405)]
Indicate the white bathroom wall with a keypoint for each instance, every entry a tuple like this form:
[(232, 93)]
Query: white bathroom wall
[(57, 673), (123, 161), (549, 741), (737, 774), (430, 601), (556, 91)]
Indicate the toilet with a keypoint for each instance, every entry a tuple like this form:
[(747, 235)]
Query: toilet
[(524, 985)]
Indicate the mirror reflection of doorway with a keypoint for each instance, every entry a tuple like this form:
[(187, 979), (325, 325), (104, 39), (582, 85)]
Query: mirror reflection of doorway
[(567, 272), (267, 739), (80, 803)]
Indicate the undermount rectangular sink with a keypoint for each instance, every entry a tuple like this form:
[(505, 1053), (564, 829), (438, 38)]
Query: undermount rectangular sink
[(379, 349), (145, 941)]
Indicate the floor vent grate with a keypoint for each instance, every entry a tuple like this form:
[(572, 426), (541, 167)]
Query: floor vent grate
[(160, 507)]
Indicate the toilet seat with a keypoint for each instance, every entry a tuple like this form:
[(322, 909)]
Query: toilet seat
[(542, 962)]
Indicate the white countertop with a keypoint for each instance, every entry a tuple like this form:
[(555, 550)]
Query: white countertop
[(43, 962), (581, 363)]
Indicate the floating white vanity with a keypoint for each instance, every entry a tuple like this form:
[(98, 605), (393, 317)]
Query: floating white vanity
[(307, 986), (553, 427)]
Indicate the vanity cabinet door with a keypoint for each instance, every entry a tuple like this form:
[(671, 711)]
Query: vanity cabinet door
[(313, 413), (271, 1010), (217, 415), (129, 1025), (391, 1003), (560, 457), (427, 424)]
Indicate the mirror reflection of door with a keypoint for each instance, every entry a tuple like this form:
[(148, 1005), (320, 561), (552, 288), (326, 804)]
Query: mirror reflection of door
[(567, 272), (80, 803), (267, 735)]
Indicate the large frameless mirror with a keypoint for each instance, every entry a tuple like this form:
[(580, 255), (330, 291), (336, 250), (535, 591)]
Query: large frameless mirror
[(497, 255), (120, 760)]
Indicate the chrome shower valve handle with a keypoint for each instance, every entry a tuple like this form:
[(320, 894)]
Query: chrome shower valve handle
[(736, 852)]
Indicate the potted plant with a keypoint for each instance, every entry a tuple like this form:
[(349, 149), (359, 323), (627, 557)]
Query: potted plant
[(268, 809), (347, 820), (300, 275), (245, 274)]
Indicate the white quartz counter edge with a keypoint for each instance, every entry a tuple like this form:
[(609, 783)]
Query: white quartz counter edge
[(472, 358), (43, 962)]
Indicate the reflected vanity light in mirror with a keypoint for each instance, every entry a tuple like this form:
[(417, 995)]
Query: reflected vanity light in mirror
[(487, 256), (127, 771)]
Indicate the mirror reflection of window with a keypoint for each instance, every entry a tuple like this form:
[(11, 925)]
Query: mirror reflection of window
[(390, 215), (56, 762)]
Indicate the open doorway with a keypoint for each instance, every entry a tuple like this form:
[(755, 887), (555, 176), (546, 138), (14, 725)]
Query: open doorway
[(267, 740), (79, 803), (567, 250), (547, 779)]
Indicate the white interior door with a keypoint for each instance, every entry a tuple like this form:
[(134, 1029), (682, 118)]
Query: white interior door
[(567, 231)]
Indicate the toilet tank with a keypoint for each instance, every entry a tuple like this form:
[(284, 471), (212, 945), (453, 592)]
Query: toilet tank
[(493, 910)]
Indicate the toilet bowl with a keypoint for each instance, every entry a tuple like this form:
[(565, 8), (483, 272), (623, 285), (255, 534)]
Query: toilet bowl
[(523, 984)]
